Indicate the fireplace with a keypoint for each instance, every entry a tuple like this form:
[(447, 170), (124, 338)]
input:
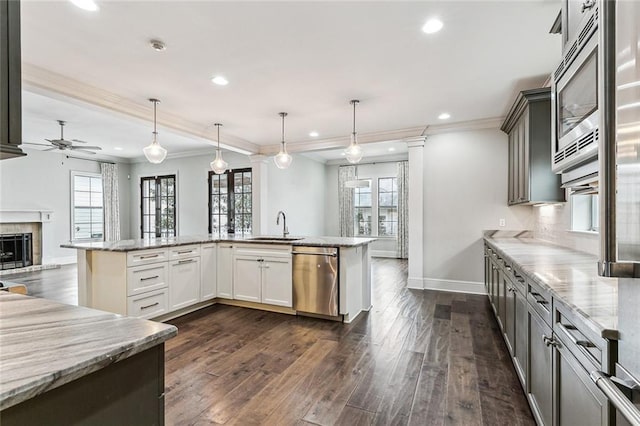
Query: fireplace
[(16, 250)]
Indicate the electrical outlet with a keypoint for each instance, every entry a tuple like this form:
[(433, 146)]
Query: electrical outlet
[(503, 222)]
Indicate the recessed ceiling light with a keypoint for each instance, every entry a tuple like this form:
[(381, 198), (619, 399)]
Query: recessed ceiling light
[(432, 26), (220, 80), (157, 45), (392, 149), (89, 5), (444, 116), (314, 134), (117, 148)]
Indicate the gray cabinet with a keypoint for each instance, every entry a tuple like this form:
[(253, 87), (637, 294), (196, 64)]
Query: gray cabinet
[(520, 341), (10, 80), (509, 316), (539, 374), (528, 125)]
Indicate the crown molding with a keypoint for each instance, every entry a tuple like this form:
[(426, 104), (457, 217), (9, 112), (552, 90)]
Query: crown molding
[(369, 160), (464, 126), (343, 141), (48, 83)]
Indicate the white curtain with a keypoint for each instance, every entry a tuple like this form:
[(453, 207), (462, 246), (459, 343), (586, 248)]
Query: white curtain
[(345, 202), (111, 201), (403, 209)]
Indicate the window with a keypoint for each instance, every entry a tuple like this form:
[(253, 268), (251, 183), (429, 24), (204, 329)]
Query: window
[(87, 212), (230, 202), (387, 206), (584, 213), (158, 206), (363, 210)]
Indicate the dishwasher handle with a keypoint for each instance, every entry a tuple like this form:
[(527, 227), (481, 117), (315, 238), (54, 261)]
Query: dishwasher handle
[(315, 254)]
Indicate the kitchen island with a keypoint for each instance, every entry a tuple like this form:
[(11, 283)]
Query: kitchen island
[(167, 277), (63, 364)]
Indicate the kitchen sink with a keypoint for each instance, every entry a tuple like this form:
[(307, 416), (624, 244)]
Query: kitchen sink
[(273, 238)]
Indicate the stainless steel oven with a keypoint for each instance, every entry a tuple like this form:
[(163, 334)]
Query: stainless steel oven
[(575, 110)]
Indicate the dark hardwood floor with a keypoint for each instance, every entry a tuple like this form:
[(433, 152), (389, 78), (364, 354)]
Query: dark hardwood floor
[(418, 358)]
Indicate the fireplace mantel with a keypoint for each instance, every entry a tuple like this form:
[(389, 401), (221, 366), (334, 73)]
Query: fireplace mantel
[(25, 216)]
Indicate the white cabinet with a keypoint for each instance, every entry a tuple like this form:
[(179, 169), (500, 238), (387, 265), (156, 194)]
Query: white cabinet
[(208, 268), (148, 305), (247, 274), (184, 283), (224, 271), (262, 274), (144, 278)]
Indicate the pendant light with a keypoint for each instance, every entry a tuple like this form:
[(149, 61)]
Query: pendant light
[(219, 166), (354, 151), (154, 152), (283, 159), (357, 183)]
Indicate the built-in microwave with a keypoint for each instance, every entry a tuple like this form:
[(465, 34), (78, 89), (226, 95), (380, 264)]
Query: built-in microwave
[(574, 102)]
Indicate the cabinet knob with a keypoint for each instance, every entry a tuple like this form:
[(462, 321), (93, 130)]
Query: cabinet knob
[(549, 341), (587, 5)]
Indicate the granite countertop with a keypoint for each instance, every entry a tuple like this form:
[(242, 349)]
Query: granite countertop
[(571, 276), (45, 344), (142, 244)]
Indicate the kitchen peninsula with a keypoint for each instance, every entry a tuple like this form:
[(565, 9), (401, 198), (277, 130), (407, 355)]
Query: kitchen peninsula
[(167, 277)]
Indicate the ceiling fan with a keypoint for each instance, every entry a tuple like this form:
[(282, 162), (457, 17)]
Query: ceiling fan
[(64, 144)]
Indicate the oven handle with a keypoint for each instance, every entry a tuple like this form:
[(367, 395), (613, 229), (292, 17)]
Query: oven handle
[(617, 398)]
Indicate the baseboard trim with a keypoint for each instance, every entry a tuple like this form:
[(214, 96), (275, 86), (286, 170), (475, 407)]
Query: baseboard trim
[(384, 253), (455, 286), (415, 283)]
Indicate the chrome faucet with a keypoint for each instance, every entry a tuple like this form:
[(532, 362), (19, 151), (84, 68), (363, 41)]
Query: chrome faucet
[(285, 230)]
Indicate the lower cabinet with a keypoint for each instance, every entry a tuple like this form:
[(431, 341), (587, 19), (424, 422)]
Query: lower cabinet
[(224, 271), (184, 283), (521, 341), (247, 271), (208, 271), (508, 314), (539, 374), (277, 286)]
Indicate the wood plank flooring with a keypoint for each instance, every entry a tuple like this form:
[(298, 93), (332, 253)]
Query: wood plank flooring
[(418, 358)]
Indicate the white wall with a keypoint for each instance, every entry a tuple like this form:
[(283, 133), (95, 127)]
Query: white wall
[(299, 191), (553, 224), (42, 180), (465, 193)]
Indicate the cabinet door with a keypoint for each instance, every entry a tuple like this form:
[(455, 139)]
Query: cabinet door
[(521, 337), (523, 169), (277, 287), (578, 399), (510, 315), (208, 271), (224, 271), (510, 176), (516, 162), (247, 275), (540, 373), (184, 283)]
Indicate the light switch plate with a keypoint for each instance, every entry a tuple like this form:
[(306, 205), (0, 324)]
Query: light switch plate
[(503, 222)]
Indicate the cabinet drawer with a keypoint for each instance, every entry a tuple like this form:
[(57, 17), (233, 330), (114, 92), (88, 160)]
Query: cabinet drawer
[(261, 251), (144, 257), (148, 305), (183, 252), (587, 349), (144, 278), (540, 301)]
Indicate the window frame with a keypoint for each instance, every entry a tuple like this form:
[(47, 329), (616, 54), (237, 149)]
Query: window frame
[(72, 206), (356, 222), (156, 177), (231, 208), (589, 213), (394, 179)]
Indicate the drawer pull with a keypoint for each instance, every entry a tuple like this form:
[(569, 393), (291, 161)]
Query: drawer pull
[(511, 289), (583, 343), (520, 279), (549, 341), (149, 306), (150, 278), (150, 256), (540, 301), (185, 251), (180, 262)]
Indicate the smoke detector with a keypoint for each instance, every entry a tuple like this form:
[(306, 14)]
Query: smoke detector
[(157, 45)]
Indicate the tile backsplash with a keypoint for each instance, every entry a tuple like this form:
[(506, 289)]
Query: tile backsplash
[(552, 223)]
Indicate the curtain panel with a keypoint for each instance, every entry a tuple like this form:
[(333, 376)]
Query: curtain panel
[(111, 201), (345, 201), (403, 209)]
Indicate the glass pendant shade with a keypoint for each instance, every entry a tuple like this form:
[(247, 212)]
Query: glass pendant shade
[(154, 152), (354, 151), (219, 166), (283, 159)]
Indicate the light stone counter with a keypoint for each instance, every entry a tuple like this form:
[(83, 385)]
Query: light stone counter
[(571, 277), (45, 344), (144, 244)]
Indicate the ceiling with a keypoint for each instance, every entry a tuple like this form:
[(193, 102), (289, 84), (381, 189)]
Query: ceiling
[(306, 58)]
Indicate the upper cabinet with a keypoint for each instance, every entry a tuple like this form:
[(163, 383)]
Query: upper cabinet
[(10, 80), (528, 125)]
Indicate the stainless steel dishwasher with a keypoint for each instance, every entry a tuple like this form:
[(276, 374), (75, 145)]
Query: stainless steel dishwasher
[(315, 280)]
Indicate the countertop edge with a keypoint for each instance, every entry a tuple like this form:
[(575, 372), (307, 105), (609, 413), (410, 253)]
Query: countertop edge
[(603, 332), (61, 377)]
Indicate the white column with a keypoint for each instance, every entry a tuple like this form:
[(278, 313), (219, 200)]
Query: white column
[(416, 212), (259, 164)]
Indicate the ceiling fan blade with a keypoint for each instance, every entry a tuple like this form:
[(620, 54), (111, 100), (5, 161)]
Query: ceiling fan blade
[(78, 140), (84, 150), (86, 147), (39, 144)]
